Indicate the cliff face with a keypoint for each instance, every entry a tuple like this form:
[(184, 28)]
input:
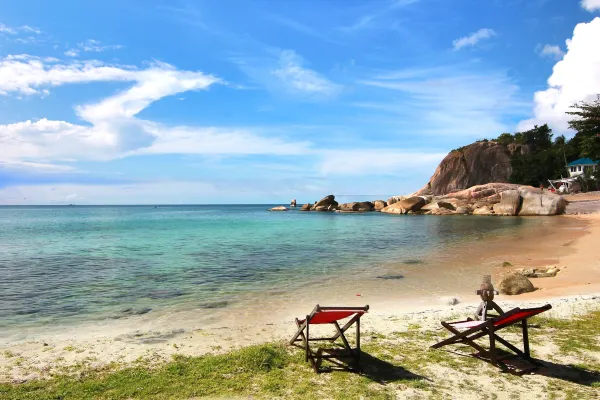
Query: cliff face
[(476, 164)]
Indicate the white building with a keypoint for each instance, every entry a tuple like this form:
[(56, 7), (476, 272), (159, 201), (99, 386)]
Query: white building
[(577, 167)]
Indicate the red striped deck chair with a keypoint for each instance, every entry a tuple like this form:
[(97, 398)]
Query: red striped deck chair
[(329, 315), (468, 331)]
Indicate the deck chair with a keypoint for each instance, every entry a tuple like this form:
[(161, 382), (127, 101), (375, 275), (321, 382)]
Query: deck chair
[(329, 315), (468, 331)]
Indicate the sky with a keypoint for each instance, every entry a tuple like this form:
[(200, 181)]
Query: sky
[(204, 102)]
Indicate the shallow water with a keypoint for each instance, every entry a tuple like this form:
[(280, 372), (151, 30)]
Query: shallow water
[(67, 265)]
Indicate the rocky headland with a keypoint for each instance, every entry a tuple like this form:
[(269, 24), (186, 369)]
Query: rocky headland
[(470, 180)]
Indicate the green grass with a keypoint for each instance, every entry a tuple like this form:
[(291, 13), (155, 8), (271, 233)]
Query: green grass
[(393, 364)]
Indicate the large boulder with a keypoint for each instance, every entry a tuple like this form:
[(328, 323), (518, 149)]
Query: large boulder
[(394, 199), (484, 210), (476, 164), (327, 203), (510, 203), (348, 206), (541, 202), (357, 206), (515, 283), (305, 207), (379, 204), (441, 211), (365, 206), (404, 206)]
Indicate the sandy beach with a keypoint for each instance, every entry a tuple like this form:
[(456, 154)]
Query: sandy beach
[(573, 248)]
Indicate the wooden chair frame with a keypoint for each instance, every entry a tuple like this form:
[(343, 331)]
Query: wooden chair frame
[(303, 335), (490, 328)]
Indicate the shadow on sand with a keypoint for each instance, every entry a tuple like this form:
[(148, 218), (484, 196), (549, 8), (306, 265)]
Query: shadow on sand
[(520, 367), (371, 367)]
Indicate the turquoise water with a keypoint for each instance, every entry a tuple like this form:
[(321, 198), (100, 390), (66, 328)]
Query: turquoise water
[(61, 265)]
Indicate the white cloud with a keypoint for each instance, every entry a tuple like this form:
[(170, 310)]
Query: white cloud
[(575, 78), (38, 167), (16, 30), (473, 38), (363, 162), (297, 78), (91, 45), (552, 51), (448, 100), (590, 5), (26, 28), (6, 29), (26, 74), (283, 73), (113, 129)]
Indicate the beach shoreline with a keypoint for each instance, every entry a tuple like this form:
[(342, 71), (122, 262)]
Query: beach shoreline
[(144, 337)]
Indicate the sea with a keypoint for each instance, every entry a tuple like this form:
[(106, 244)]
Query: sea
[(61, 266)]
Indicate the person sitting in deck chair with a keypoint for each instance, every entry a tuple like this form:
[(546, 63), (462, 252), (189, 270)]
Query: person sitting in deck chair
[(329, 315)]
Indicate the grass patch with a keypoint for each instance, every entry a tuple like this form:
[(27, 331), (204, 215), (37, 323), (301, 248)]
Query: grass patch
[(506, 264), (576, 335), (393, 363)]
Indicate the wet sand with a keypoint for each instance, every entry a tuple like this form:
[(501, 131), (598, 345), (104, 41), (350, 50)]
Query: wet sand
[(569, 242)]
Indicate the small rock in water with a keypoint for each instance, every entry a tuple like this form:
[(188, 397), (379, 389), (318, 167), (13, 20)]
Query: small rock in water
[(392, 277), (165, 294), (214, 304), (411, 262)]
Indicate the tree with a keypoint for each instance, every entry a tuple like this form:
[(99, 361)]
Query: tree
[(587, 125), (543, 161)]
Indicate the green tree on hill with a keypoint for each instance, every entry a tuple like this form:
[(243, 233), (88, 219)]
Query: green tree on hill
[(544, 159), (587, 125)]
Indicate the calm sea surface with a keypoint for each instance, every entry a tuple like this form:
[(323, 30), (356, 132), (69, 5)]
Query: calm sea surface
[(64, 265)]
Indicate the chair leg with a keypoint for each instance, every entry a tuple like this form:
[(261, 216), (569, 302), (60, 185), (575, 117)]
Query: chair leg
[(299, 332), (525, 338), (358, 339), (306, 340), (492, 351)]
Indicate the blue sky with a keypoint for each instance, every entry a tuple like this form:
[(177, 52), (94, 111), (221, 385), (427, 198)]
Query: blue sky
[(121, 102)]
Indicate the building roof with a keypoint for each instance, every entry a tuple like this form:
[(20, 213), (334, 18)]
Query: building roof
[(583, 161)]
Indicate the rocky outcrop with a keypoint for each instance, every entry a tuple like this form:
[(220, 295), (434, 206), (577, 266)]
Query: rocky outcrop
[(327, 203), (510, 203), (305, 207), (476, 164), (404, 206), (279, 208), (379, 204), (516, 283), (357, 206), (538, 202)]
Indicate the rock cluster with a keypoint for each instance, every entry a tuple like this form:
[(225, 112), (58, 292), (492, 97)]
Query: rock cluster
[(538, 272), (328, 203), (495, 199), (489, 199)]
